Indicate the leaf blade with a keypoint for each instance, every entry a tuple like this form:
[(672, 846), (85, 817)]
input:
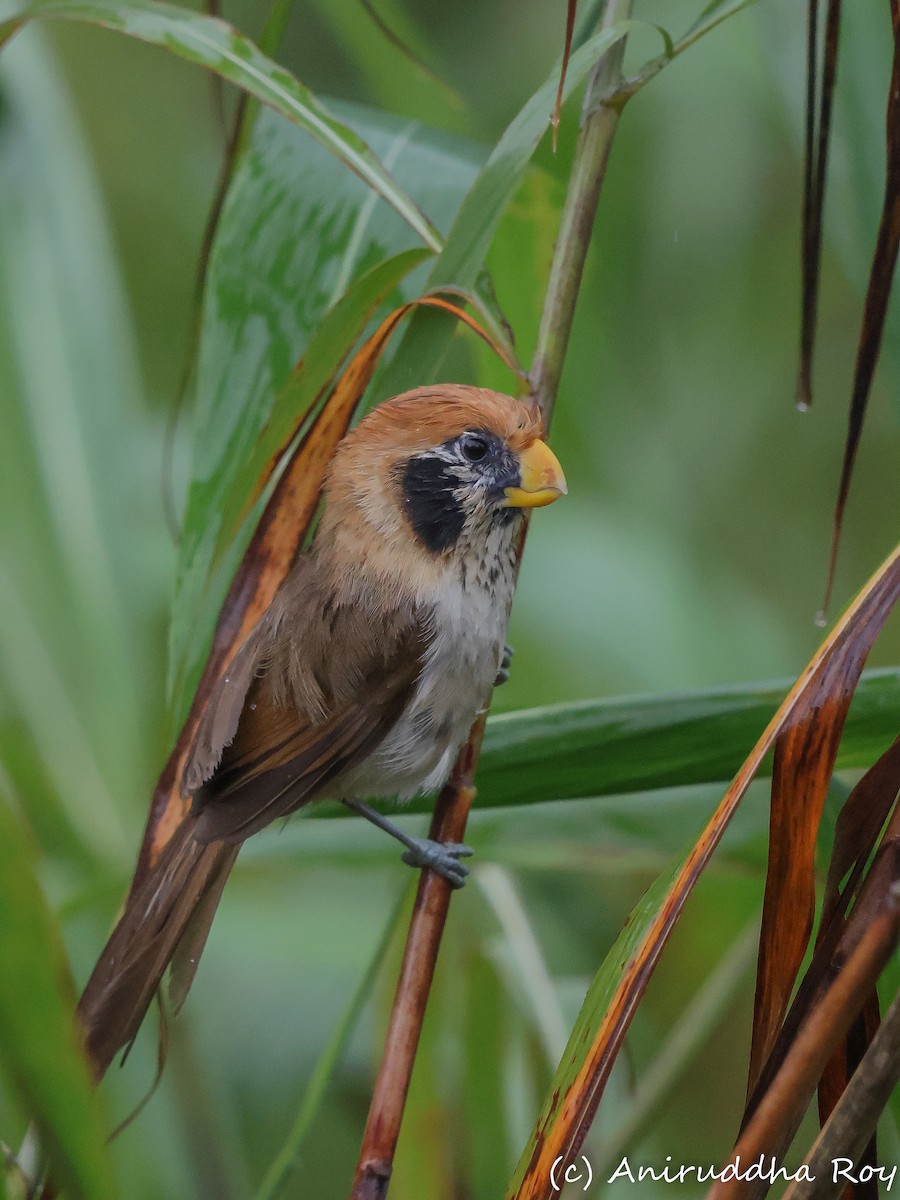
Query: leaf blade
[(38, 1035), (217, 46)]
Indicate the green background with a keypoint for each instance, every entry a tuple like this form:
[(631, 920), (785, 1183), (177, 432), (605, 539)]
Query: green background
[(689, 554)]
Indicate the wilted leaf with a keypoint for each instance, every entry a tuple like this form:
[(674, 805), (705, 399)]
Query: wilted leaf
[(877, 298), (804, 761), (819, 99), (850, 903)]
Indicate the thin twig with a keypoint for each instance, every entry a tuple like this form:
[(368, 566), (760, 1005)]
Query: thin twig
[(451, 812)]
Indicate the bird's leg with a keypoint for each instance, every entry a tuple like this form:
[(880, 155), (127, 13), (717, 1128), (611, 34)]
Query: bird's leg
[(442, 857), (505, 661)]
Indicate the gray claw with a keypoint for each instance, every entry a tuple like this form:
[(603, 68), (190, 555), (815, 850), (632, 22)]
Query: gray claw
[(442, 857), (505, 661)]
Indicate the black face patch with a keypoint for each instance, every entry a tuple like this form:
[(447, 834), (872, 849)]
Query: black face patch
[(435, 514)]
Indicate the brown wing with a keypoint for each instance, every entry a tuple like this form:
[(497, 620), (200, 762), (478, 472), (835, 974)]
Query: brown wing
[(284, 751)]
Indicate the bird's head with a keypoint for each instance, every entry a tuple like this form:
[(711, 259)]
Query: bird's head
[(440, 467)]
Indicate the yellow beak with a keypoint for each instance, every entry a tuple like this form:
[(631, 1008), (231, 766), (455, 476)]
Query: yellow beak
[(541, 478)]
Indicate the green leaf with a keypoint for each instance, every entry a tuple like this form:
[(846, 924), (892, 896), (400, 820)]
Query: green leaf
[(39, 1048), (614, 747), (296, 232), (596, 1003), (219, 47), (74, 572), (610, 747)]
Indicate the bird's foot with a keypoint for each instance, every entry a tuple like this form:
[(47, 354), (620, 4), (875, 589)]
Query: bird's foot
[(505, 661), (442, 857)]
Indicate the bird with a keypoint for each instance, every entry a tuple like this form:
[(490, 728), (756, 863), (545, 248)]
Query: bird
[(360, 681)]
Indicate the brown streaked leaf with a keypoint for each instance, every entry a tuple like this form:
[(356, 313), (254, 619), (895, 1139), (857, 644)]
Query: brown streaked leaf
[(285, 522), (571, 6), (601, 1028), (861, 818), (804, 761), (840, 926), (859, 824), (817, 141), (877, 298)]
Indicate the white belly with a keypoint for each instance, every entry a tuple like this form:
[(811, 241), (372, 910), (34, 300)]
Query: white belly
[(460, 668)]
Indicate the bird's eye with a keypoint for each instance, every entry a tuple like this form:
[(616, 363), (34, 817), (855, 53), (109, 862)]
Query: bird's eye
[(473, 447)]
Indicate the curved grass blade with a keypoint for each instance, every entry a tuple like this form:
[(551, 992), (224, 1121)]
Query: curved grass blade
[(39, 1046), (617, 989), (285, 1161), (851, 902), (805, 754), (219, 47), (682, 1046)]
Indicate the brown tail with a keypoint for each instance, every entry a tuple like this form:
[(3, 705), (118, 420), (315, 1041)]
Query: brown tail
[(167, 917)]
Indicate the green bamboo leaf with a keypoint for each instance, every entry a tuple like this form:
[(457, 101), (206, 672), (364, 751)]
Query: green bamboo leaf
[(219, 47), (39, 1049), (73, 580), (636, 744), (612, 747)]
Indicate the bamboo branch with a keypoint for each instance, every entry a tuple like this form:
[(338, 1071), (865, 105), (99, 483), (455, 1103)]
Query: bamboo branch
[(777, 1117), (599, 122), (847, 1131)]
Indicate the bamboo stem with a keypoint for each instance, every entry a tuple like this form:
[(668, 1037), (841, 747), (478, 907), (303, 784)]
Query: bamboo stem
[(852, 1122), (599, 123), (776, 1119)]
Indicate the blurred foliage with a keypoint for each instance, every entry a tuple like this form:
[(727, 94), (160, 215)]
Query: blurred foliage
[(689, 555)]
